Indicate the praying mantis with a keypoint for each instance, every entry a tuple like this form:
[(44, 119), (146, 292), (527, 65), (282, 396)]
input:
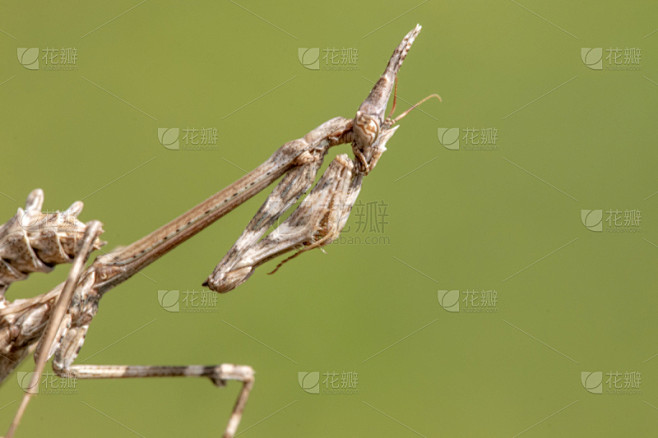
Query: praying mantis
[(56, 323)]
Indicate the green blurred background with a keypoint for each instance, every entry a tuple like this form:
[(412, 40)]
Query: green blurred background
[(503, 217)]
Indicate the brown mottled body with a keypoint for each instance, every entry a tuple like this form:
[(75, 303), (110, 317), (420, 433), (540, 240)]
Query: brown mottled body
[(33, 241), (316, 222)]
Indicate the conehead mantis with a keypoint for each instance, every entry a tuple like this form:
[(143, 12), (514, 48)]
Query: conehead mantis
[(58, 320)]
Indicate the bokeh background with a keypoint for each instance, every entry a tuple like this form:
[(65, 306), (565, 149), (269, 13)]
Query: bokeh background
[(471, 294)]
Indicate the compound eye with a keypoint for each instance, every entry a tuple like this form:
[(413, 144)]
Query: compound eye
[(373, 128), (368, 127)]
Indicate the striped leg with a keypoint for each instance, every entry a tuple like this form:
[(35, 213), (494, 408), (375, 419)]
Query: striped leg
[(219, 375)]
